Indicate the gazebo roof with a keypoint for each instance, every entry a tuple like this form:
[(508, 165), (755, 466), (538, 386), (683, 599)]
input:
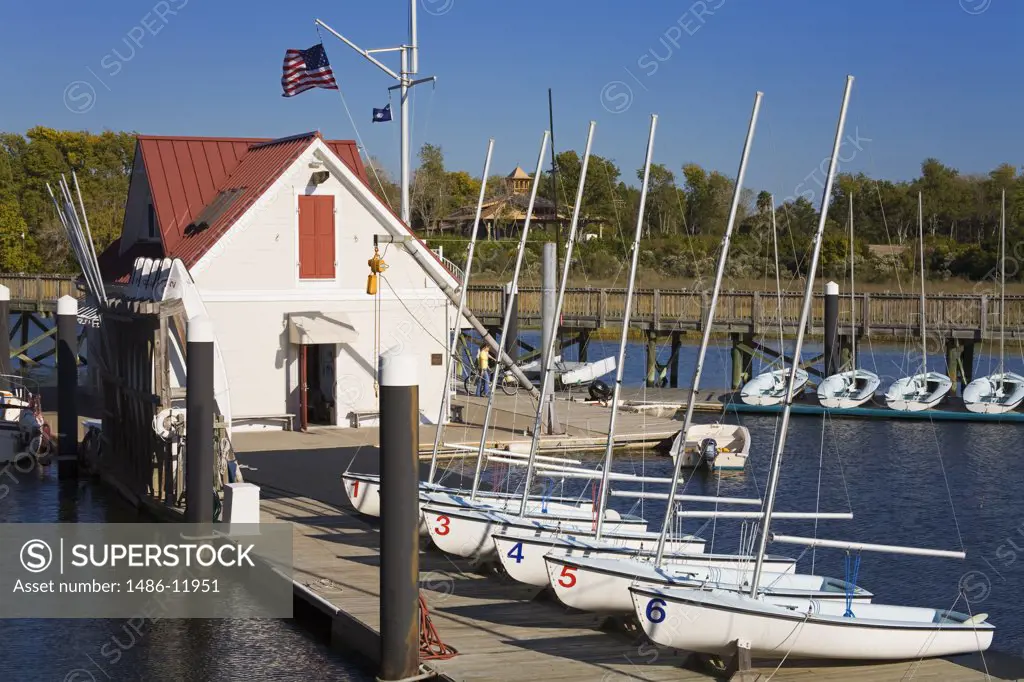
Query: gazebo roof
[(519, 174)]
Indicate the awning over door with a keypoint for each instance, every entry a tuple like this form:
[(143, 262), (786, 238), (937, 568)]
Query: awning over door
[(306, 329)]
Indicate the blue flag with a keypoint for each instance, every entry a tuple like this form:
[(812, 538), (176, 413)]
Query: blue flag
[(381, 115)]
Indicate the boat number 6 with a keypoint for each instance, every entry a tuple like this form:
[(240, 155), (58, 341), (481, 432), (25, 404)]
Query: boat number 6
[(567, 578), (655, 612), (442, 525)]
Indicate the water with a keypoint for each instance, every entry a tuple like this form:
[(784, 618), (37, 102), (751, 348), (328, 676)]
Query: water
[(180, 650), (939, 485)]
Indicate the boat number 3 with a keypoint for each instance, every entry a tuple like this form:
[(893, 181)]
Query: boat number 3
[(516, 552), (655, 612), (567, 578), (442, 525), (355, 488)]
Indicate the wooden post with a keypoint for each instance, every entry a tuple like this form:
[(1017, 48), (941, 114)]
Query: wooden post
[(967, 363), (5, 330), (399, 546), (953, 351), (673, 363), (737, 362), (652, 358), (831, 328), (67, 388), (511, 310), (583, 345)]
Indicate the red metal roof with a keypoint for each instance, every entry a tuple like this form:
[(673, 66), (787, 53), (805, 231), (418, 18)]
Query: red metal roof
[(190, 175)]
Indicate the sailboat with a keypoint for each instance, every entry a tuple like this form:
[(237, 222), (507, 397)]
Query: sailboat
[(719, 447), (768, 388), (601, 583), (1003, 391), (363, 490), (467, 532), (927, 389), (855, 386), (719, 621)]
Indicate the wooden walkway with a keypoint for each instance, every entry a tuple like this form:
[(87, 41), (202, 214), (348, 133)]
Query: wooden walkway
[(499, 630)]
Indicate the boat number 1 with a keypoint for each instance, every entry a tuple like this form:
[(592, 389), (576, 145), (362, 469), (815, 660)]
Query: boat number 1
[(355, 488), (516, 552), (655, 612), (567, 578), (442, 525)]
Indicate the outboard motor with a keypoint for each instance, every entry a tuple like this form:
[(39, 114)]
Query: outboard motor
[(600, 391), (709, 451)]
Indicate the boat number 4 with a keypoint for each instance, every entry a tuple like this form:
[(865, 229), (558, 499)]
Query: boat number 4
[(442, 525), (567, 578), (655, 610), (516, 552)]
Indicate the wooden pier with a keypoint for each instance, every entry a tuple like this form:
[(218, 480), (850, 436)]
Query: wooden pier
[(505, 631)]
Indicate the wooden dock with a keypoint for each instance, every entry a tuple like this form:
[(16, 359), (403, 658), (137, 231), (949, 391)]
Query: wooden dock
[(501, 631)]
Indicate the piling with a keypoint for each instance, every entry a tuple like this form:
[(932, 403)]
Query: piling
[(399, 528), (67, 388), (673, 362), (512, 312), (199, 408), (5, 330), (831, 328), (652, 358)]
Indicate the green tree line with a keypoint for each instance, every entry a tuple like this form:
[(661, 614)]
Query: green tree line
[(687, 210)]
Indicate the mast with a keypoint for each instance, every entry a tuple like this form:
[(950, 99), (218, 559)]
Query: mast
[(773, 482), (924, 334), (620, 365), (1002, 293), (409, 61), (439, 433), (853, 301), (508, 308), (778, 286), (706, 336), (548, 352)]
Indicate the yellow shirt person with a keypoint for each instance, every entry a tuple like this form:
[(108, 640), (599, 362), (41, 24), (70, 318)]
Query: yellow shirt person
[(483, 362)]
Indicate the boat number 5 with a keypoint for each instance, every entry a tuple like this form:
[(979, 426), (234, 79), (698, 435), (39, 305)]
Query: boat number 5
[(567, 578), (442, 525), (655, 612)]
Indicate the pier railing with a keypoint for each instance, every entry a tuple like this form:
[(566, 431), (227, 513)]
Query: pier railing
[(968, 316), (38, 292), (664, 310)]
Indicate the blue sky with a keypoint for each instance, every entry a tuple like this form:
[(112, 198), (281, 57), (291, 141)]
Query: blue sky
[(934, 77)]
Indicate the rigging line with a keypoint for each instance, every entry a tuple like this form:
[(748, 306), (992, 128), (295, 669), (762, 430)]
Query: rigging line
[(413, 316), (359, 141), (817, 500)]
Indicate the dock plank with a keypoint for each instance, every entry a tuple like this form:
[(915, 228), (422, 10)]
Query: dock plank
[(498, 630)]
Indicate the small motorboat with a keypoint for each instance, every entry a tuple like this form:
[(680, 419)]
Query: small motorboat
[(722, 447)]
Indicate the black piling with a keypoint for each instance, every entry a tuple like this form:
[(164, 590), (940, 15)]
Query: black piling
[(199, 408), (512, 311), (831, 328), (67, 388), (399, 527), (5, 330)]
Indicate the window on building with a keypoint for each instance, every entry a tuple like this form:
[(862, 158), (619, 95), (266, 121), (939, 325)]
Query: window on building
[(316, 237), (152, 223)]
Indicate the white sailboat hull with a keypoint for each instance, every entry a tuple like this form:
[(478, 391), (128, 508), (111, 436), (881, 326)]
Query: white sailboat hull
[(848, 389), (995, 394), (769, 388), (363, 492), (711, 621), (522, 553), (467, 533), (733, 443), (602, 585), (918, 392)]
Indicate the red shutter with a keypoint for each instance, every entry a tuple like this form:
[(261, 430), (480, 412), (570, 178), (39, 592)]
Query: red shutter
[(325, 236), (316, 237)]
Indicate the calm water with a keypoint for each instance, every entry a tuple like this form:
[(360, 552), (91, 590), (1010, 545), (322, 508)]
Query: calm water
[(192, 650), (940, 485)]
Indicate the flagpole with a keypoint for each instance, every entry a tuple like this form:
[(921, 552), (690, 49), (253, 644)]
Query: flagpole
[(409, 66)]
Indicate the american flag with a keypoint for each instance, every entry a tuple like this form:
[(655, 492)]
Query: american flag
[(305, 70)]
